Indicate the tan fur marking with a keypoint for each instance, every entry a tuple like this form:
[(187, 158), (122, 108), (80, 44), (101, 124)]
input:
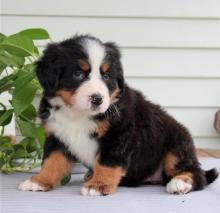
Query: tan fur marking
[(170, 162), (102, 128), (54, 168), (84, 65), (114, 95), (105, 68), (185, 176), (105, 179), (66, 95)]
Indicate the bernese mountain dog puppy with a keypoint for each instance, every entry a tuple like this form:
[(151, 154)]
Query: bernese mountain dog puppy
[(91, 115)]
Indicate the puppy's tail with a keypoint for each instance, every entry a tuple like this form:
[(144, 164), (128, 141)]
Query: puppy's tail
[(211, 175)]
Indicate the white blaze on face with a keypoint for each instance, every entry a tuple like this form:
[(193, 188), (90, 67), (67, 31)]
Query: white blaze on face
[(95, 85)]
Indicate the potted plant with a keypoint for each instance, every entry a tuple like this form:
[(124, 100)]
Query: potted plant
[(18, 54)]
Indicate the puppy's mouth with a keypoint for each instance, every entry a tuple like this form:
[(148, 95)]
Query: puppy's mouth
[(95, 108)]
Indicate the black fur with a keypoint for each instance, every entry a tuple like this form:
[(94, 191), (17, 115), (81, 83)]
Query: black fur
[(211, 175), (52, 144), (140, 135)]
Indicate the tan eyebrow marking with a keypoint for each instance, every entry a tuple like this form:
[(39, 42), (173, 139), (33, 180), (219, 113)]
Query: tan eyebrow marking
[(84, 65), (105, 67)]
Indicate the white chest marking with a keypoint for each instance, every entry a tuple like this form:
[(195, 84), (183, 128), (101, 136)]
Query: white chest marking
[(74, 131)]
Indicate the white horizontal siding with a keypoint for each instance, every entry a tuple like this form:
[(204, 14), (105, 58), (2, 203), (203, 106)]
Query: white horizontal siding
[(187, 63), (120, 8), (126, 32), (180, 92), (212, 143), (170, 49), (198, 120)]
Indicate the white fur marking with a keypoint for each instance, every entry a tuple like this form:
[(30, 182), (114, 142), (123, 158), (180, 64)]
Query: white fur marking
[(95, 85), (85, 191), (28, 185), (96, 53), (177, 186), (74, 129)]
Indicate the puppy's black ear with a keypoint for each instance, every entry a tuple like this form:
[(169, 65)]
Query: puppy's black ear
[(114, 55), (44, 109), (49, 68)]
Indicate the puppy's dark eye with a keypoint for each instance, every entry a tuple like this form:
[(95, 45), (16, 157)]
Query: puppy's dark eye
[(78, 74), (106, 76)]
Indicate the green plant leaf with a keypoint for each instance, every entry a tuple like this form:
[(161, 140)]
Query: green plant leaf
[(35, 33), (66, 179), (7, 87), (28, 129), (24, 91), (5, 117), (7, 82), (7, 79), (3, 159), (5, 145), (22, 98), (36, 51), (31, 145), (6, 60), (2, 36), (41, 136), (30, 67), (30, 113), (18, 44), (23, 78), (11, 60), (19, 152), (19, 60), (28, 144), (2, 67), (4, 139), (24, 142), (22, 84)]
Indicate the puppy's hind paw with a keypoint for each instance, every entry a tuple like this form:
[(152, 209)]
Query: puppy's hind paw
[(86, 191), (178, 186)]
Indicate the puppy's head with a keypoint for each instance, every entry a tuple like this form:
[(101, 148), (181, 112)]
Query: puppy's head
[(83, 72)]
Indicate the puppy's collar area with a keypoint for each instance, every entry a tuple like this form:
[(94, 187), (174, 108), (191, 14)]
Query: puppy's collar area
[(112, 112)]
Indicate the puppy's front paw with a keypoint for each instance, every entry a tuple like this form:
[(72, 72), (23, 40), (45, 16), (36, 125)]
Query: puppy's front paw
[(97, 189), (29, 185)]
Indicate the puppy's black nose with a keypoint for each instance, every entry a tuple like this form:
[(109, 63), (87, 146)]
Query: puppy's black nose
[(96, 99)]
